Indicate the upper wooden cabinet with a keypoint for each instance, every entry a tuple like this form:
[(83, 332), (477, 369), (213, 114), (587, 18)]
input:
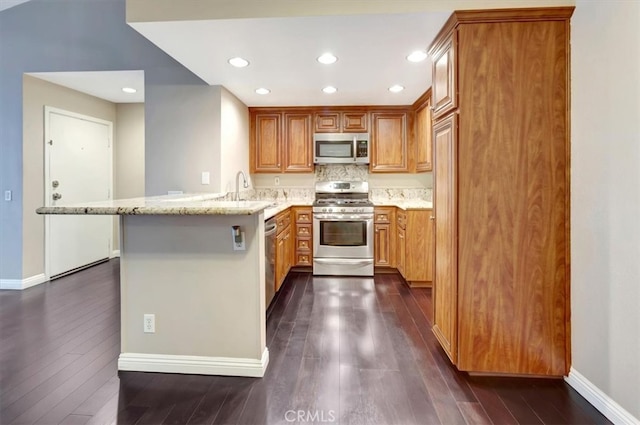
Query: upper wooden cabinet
[(341, 121), (298, 143), (501, 192), (265, 142), (280, 141), (422, 133), (388, 151), (443, 56)]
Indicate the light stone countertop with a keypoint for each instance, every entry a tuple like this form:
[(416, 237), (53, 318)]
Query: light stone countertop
[(281, 206), (202, 204), (414, 204)]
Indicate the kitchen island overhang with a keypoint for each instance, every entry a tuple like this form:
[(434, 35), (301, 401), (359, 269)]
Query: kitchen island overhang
[(177, 261)]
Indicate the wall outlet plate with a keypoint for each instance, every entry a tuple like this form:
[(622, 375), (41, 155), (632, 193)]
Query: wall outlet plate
[(7, 195), (149, 324)]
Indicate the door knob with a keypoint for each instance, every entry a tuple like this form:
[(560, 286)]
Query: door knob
[(56, 196)]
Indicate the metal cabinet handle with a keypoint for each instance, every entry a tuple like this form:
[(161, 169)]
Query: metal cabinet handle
[(432, 218)]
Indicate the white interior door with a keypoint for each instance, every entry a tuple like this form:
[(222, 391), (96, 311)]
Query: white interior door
[(77, 170)]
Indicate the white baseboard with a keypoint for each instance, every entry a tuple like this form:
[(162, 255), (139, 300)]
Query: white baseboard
[(605, 404), (200, 365), (20, 284), (115, 253)]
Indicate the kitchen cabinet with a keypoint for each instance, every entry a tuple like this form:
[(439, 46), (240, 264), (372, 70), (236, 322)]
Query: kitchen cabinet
[(501, 193), (280, 141), (415, 247), (284, 247), (264, 142), (341, 121), (389, 142), (445, 96), (384, 237), (422, 133), (303, 236)]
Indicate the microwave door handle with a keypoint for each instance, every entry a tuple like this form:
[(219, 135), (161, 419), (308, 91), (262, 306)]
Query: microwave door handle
[(355, 148)]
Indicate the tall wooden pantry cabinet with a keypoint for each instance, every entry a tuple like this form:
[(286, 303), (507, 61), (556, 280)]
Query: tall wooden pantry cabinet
[(501, 190)]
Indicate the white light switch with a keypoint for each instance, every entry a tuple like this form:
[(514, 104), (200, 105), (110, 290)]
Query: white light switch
[(205, 177), (7, 195)]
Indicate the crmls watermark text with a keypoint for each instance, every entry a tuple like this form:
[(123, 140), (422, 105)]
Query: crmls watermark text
[(310, 416)]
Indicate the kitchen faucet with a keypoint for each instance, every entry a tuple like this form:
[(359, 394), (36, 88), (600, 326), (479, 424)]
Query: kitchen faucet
[(245, 184)]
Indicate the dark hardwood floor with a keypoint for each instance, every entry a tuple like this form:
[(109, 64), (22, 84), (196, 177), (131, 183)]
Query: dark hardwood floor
[(342, 350)]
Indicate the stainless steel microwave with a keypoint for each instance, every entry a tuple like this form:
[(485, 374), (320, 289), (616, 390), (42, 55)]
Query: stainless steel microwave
[(341, 148)]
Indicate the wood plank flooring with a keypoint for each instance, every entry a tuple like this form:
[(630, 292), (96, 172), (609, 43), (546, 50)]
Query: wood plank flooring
[(342, 350)]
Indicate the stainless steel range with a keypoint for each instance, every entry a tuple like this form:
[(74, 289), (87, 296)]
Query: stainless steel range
[(342, 229)]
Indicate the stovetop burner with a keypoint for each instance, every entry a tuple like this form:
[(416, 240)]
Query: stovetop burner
[(342, 196)]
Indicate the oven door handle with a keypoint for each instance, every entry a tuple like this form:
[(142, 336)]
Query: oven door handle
[(343, 217), (341, 261)]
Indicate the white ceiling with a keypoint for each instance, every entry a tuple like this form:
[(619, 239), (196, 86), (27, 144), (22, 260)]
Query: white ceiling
[(103, 84), (282, 52)]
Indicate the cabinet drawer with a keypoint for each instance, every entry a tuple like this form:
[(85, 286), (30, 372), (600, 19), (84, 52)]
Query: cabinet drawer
[(303, 260), (303, 230), (383, 215), (283, 220), (303, 244), (303, 216)]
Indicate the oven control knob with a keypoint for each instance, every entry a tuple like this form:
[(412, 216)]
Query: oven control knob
[(330, 209), (343, 210), (324, 210)]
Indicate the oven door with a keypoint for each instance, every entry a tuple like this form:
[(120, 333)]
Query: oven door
[(343, 236)]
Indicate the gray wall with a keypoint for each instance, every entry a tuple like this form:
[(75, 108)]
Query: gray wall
[(605, 198), (177, 154), (63, 35)]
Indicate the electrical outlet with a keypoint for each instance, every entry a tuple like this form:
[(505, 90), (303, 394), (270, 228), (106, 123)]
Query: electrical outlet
[(7, 195), (206, 177), (238, 245), (277, 181), (149, 323)]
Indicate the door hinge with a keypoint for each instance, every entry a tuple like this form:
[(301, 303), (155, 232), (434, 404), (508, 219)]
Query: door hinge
[(108, 142), (108, 193)]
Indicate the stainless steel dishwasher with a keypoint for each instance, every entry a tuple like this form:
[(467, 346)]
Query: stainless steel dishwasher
[(270, 228)]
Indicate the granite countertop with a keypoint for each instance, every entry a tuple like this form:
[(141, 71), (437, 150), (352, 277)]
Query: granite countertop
[(405, 204), (281, 206), (207, 204)]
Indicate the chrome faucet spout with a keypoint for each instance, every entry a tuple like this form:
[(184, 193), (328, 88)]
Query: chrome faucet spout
[(236, 197)]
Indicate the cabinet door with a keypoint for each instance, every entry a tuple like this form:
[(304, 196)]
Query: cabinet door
[(443, 57), (401, 253), (423, 138), (355, 122), (445, 285), (382, 245), (281, 262), (266, 132), (327, 122), (389, 142), (298, 143)]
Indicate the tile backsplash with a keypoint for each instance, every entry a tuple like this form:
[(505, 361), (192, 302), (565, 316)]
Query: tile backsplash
[(401, 186)]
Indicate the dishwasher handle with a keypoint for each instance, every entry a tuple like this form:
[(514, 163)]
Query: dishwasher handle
[(270, 230)]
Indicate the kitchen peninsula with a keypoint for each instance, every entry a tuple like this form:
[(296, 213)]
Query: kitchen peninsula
[(178, 263)]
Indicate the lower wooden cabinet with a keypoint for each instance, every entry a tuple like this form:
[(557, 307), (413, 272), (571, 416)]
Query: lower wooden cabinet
[(414, 247), (284, 247), (384, 237), (303, 250)]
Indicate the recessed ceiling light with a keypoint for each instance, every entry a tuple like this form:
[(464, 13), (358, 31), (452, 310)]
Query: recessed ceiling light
[(238, 62), (329, 89), (262, 90), (129, 90), (396, 89), (417, 56), (327, 58)]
